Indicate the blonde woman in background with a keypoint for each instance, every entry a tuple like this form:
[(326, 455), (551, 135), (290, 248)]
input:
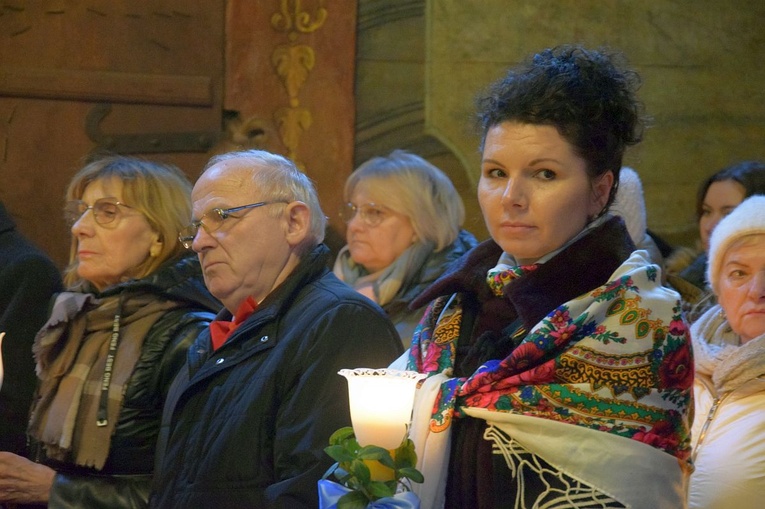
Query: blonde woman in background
[(404, 221)]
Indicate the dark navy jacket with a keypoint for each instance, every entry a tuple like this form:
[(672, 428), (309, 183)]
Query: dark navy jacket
[(246, 425)]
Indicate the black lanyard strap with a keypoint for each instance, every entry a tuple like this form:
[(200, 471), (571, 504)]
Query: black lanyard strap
[(106, 381)]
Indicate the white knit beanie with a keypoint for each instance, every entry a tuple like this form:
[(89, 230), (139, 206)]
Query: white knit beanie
[(746, 219), (630, 204)]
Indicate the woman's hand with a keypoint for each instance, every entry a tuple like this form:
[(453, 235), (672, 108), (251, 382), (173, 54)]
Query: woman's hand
[(24, 481)]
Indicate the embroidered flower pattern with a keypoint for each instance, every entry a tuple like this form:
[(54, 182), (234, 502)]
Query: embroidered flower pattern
[(499, 278), (602, 361)]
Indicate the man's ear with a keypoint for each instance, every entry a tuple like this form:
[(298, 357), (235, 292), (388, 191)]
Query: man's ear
[(298, 218)]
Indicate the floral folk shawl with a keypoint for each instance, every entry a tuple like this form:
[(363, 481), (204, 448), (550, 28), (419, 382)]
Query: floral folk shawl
[(616, 360)]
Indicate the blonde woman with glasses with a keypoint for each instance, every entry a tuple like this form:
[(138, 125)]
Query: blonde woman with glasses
[(114, 340), (404, 220)]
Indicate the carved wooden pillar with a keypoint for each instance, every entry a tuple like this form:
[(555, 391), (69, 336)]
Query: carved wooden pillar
[(290, 78)]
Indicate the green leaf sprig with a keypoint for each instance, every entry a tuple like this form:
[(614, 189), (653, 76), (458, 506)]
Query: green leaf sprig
[(351, 471)]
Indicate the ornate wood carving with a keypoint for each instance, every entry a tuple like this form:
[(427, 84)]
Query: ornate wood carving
[(293, 63)]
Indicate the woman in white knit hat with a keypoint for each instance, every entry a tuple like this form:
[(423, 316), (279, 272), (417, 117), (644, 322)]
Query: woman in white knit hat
[(729, 346)]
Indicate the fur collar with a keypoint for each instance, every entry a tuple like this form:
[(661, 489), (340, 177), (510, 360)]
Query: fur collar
[(586, 264)]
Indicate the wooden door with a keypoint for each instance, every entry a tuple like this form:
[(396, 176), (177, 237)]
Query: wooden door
[(141, 77)]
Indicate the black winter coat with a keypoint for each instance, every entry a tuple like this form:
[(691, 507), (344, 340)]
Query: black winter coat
[(28, 279), (246, 425), (125, 480)]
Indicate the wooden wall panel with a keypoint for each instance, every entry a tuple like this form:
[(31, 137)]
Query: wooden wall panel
[(280, 72), (157, 64)]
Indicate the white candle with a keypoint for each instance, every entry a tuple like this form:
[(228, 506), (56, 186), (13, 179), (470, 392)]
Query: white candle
[(381, 404)]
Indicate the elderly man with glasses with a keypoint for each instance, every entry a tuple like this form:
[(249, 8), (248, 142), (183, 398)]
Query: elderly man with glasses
[(247, 420)]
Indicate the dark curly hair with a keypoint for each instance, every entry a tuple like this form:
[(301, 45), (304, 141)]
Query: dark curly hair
[(589, 96), (750, 174)]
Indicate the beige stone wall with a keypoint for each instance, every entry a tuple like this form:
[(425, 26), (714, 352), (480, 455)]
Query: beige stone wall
[(701, 63)]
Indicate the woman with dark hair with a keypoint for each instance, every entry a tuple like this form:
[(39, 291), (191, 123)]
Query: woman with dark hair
[(114, 341), (717, 196), (559, 366)]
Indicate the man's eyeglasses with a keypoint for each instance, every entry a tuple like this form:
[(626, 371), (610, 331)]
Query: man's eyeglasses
[(213, 220), (370, 213), (105, 210)]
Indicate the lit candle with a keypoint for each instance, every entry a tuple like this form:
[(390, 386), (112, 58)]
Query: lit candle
[(381, 404)]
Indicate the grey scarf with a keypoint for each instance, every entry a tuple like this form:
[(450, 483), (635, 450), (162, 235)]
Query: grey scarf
[(386, 283), (719, 354)]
